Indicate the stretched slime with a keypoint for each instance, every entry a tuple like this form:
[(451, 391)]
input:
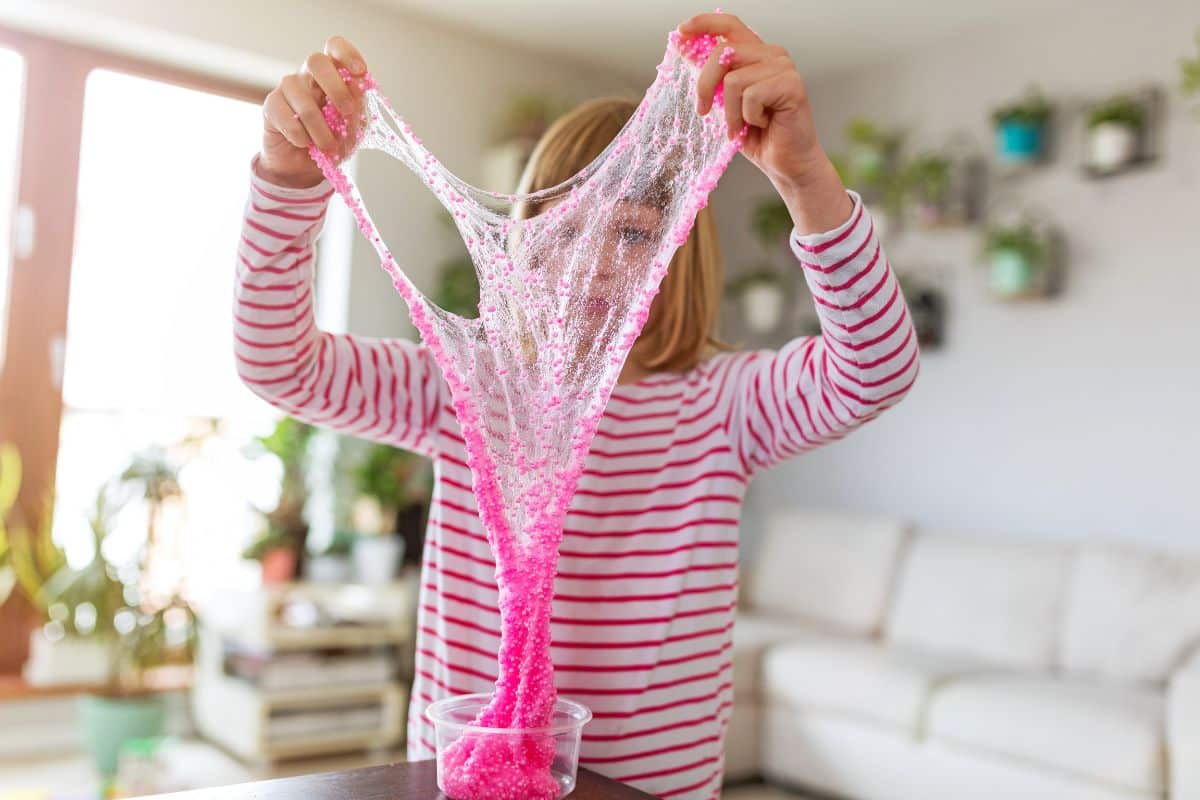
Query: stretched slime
[(566, 276)]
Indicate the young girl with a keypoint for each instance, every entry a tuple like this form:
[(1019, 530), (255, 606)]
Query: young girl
[(646, 589)]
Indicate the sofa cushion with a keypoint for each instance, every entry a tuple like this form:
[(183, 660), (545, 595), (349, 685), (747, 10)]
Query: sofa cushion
[(866, 679), (1106, 733), (833, 568), (989, 598), (752, 635), (1132, 614)]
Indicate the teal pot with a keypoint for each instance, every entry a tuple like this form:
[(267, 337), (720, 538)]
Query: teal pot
[(1011, 273), (109, 722), (1019, 142)]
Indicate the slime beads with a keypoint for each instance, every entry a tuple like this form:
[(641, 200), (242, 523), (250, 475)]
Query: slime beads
[(564, 293)]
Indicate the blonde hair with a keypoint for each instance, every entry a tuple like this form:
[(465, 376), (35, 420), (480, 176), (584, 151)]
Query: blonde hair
[(679, 333)]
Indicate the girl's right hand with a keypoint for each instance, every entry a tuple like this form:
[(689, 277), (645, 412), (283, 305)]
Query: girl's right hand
[(292, 118)]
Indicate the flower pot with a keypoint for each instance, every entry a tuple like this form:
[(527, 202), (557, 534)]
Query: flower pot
[(109, 722), (376, 558), (1011, 273), (279, 565), (71, 659), (762, 306), (329, 569), (1019, 142), (1111, 146)]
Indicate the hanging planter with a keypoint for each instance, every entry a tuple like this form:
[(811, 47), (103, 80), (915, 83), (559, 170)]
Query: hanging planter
[(1114, 133), (1019, 261), (760, 296), (1022, 130), (928, 179)]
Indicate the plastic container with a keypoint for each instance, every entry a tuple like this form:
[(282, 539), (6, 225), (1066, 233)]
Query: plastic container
[(452, 720)]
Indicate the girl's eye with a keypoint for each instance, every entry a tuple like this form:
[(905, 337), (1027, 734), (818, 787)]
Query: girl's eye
[(631, 235)]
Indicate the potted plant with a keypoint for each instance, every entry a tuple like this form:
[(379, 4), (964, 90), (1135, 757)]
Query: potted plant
[(1021, 129), (928, 178), (281, 542), (10, 487), (760, 294), (1114, 133), (332, 564), (393, 489), (1189, 72), (1018, 256), (100, 613), (870, 164)]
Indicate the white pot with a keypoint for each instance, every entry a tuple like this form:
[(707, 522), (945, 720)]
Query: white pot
[(762, 306), (71, 659), (376, 558), (329, 569), (1111, 145)]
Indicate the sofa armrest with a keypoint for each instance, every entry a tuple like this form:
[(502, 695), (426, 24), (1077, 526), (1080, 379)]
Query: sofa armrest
[(1183, 728)]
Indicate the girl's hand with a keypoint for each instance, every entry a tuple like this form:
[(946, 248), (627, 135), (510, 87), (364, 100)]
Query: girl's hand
[(763, 90), (292, 118)]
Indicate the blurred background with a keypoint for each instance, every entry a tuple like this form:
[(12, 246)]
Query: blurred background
[(169, 545)]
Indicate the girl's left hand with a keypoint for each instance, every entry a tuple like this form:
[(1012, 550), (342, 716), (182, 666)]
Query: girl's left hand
[(764, 90)]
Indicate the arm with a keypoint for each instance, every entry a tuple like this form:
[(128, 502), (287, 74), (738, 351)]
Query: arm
[(388, 390), (817, 389), (1183, 728)]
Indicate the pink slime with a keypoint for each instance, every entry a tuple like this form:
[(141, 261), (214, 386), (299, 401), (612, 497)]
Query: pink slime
[(484, 767)]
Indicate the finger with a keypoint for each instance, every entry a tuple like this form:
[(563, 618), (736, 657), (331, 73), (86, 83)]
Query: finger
[(300, 96), (279, 116), (725, 59), (718, 24), (325, 73), (346, 54), (737, 83)]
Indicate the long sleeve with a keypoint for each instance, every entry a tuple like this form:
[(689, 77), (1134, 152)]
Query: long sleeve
[(388, 390), (816, 389)]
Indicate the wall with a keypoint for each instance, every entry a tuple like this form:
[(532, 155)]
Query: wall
[(1067, 418), (449, 85)]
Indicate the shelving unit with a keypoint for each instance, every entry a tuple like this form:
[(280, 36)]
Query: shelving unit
[(305, 669)]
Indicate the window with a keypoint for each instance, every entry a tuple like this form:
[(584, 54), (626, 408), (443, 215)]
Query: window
[(149, 354), (12, 69)]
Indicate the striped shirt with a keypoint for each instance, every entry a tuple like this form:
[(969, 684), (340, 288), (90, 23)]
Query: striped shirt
[(647, 580)]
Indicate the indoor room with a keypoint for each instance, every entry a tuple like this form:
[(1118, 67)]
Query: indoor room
[(518, 399)]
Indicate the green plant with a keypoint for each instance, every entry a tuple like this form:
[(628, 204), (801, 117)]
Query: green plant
[(1189, 71), (1120, 110), (870, 164), (1033, 109), (10, 487), (771, 222), (397, 479), (929, 176), (1021, 238), (103, 600), (457, 289), (285, 524), (341, 544), (528, 116), (761, 276)]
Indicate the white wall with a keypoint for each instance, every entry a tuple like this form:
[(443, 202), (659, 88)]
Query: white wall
[(450, 85), (1075, 417)]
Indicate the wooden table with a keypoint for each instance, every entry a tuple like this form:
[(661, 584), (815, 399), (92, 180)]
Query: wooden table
[(403, 781)]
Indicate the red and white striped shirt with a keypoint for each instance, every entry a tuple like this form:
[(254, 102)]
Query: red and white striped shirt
[(646, 588)]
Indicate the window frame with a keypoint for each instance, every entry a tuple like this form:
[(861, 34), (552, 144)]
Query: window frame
[(31, 402)]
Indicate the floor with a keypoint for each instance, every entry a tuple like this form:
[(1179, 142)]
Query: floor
[(193, 764)]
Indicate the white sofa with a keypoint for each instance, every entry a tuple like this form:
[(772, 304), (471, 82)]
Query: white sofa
[(879, 663)]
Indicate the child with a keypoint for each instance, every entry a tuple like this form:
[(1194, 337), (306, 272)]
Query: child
[(646, 589)]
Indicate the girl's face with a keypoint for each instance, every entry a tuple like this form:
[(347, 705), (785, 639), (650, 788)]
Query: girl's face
[(621, 251)]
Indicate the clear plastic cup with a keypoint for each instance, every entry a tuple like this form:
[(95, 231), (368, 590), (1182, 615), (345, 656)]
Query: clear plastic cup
[(452, 720)]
